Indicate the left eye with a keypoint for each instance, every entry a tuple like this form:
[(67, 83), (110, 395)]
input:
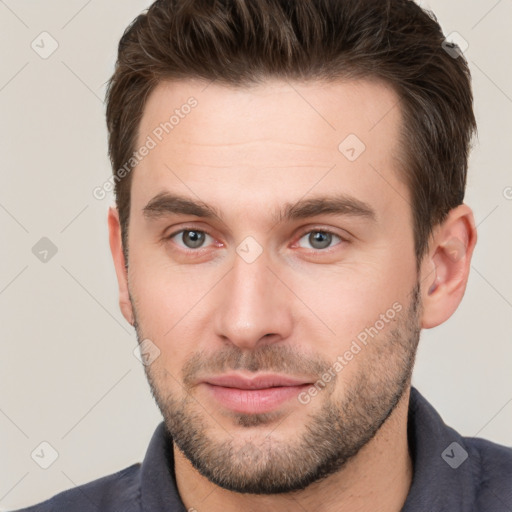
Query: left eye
[(318, 239)]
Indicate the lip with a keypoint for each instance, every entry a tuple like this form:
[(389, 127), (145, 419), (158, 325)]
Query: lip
[(257, 394)]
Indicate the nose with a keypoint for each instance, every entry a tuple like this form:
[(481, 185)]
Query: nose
[(253, 308)]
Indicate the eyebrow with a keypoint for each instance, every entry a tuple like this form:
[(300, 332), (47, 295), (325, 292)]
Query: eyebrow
[(165, 204), (340, 204)]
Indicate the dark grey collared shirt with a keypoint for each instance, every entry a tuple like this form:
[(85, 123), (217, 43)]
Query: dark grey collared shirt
[(451, 474)]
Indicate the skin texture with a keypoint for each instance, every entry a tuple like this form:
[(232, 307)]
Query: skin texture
[(297, 307)]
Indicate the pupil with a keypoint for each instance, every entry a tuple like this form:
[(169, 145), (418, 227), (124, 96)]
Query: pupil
[(320, 239), (193, 239)]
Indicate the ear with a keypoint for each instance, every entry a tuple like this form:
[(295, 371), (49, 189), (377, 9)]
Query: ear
[(116, 247), (445, 268)]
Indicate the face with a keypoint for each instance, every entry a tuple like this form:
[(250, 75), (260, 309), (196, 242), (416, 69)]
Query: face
[(271, 262)]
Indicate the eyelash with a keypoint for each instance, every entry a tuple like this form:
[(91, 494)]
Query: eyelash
[(303, 233)]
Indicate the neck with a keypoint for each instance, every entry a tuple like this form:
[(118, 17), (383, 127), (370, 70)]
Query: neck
[(377, 478)]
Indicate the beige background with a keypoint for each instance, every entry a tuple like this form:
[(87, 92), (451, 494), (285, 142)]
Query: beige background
[(67, 369)]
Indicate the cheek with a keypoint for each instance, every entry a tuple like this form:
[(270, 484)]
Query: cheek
[(168, 294), (342, 302), (169, 310)]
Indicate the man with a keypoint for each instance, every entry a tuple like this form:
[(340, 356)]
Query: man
[(289, 181)]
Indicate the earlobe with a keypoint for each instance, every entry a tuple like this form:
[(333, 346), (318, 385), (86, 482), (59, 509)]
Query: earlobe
[(116, 248), (445, 269)]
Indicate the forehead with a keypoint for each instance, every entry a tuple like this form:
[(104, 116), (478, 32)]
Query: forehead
[(324, 111), (276, 135)]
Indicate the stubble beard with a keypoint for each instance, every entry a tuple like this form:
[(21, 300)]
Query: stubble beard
[(331, 436)]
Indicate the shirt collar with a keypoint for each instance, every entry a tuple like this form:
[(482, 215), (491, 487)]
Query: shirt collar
[(439, 482), (159, 491)]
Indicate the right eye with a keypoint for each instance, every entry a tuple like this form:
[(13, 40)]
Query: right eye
[(190, 238)]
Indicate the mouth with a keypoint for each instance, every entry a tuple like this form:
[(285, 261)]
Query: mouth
[(256, 395)]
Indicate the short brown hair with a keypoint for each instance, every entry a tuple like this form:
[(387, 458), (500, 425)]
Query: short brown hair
[(240, 42)]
